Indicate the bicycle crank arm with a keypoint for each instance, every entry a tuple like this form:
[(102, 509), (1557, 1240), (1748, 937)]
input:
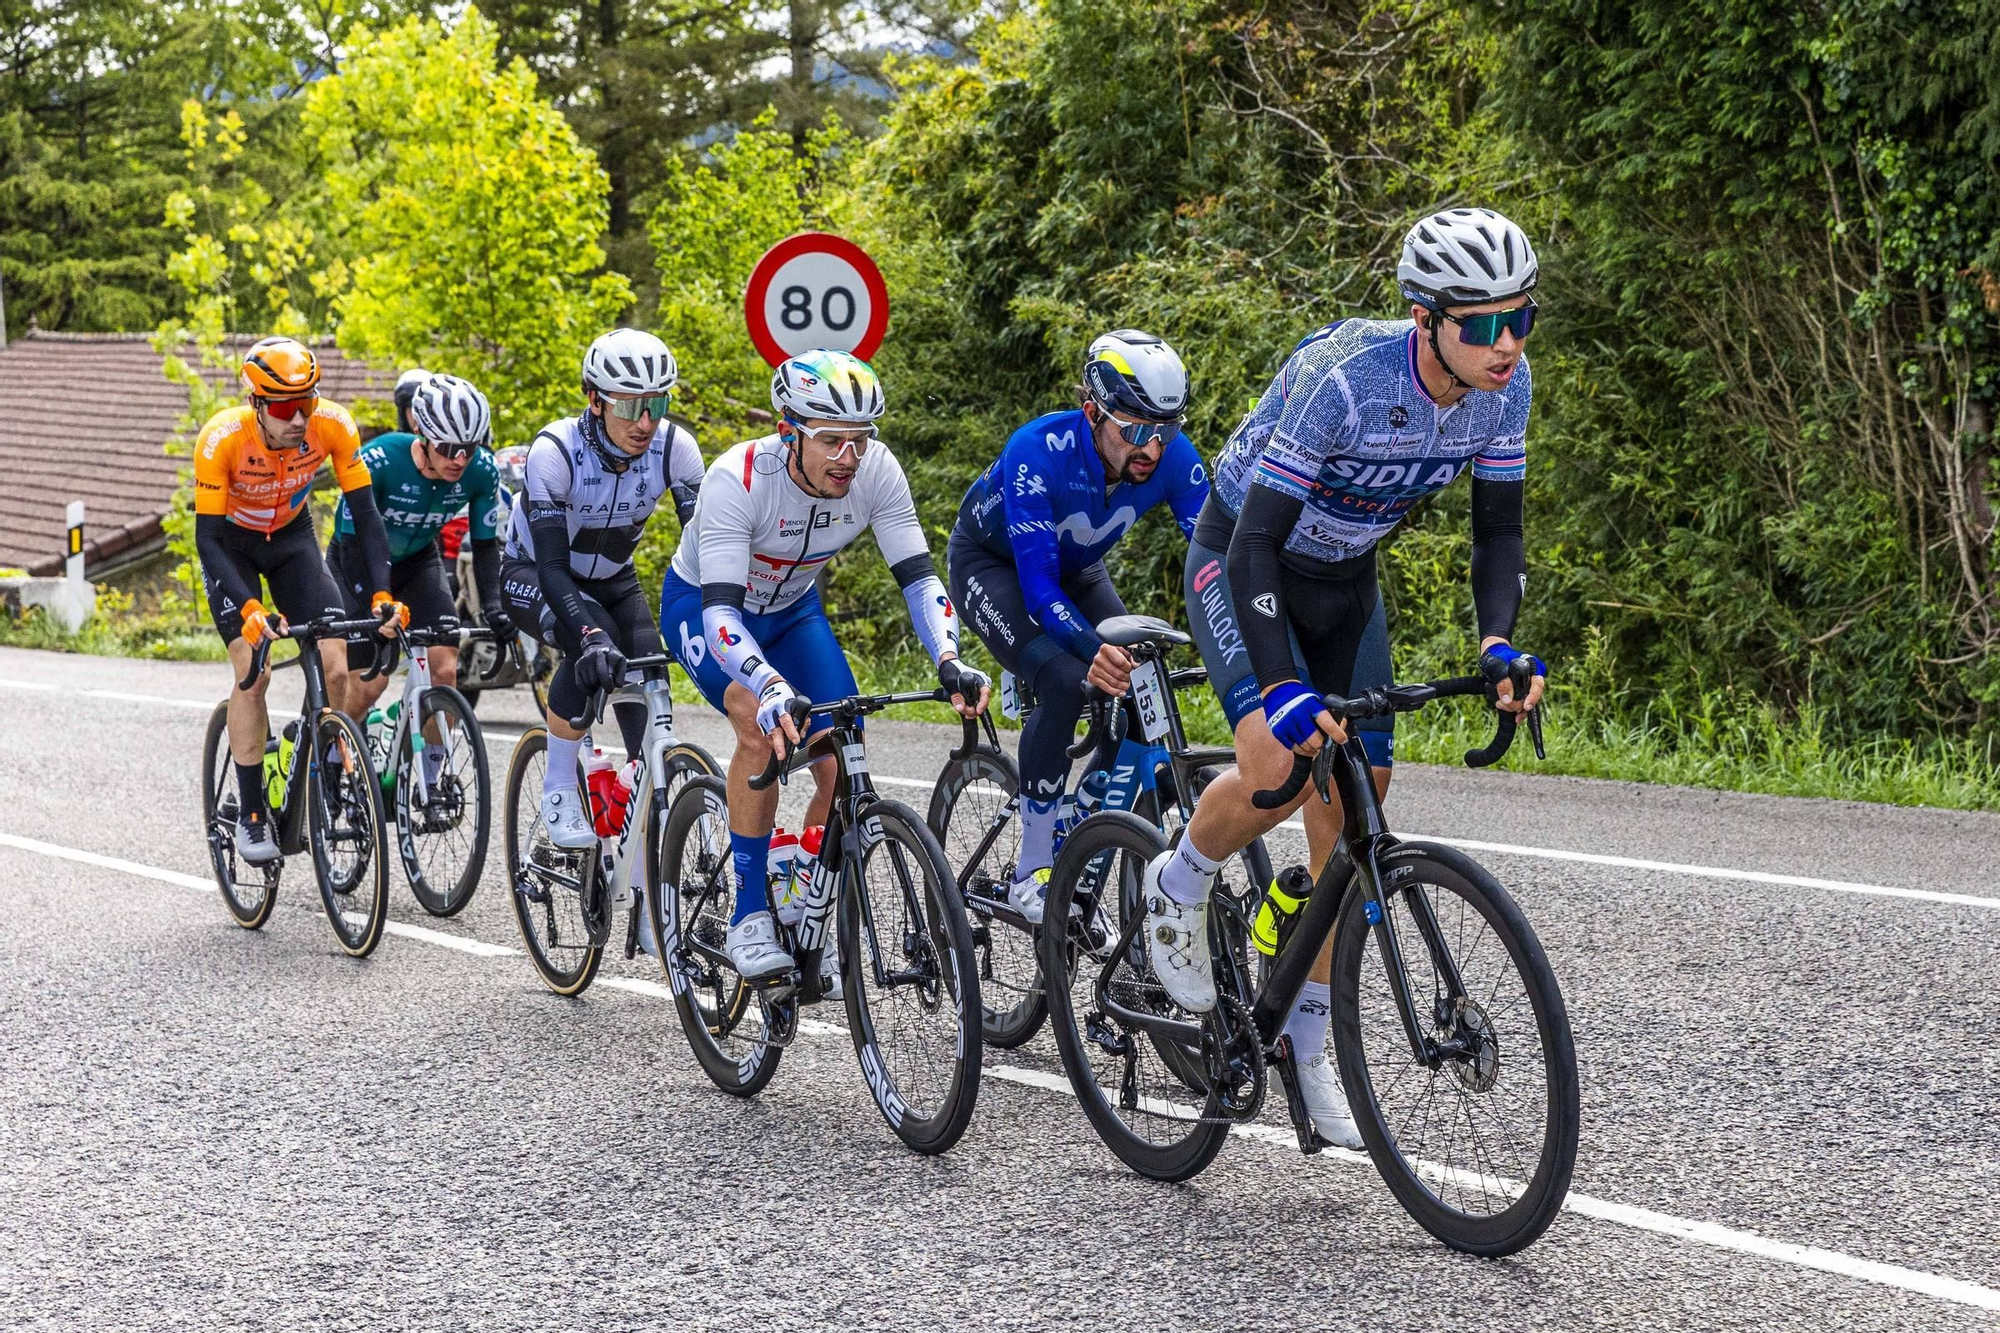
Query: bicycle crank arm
[(1295, 1103)]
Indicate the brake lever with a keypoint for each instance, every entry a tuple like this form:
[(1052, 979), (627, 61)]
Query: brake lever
[(259, 656)]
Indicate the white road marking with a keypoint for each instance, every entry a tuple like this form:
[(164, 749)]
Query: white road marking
[(120, 695), (1464, 844), (1711, 1234)]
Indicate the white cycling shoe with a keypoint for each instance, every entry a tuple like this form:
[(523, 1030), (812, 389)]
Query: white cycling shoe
[(254, 843), (1177, 943), (1030, 896), (1326, 1102), (754, 950), (563, 820)]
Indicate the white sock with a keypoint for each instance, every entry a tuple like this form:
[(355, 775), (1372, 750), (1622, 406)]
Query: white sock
[(1038, 837), (1310, 1017), (1188, 875), (561, 775)]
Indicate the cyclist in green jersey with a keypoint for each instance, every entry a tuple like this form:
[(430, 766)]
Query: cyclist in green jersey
[(420, 480)]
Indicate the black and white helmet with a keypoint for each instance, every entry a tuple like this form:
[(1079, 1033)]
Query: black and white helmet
[(448, 410), (1465, 256), (629, 361), (1136, 373), (832, 386)]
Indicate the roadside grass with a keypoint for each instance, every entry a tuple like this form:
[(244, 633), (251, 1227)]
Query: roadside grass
[(1728, 745)]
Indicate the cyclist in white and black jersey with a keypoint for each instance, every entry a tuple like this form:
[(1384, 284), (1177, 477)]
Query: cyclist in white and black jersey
[(591, 483), (741, 609), (1364, 419)]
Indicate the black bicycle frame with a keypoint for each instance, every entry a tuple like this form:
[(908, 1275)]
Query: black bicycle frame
[(290, 820)]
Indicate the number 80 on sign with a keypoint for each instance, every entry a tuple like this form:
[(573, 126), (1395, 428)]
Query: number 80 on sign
[(816, 290)]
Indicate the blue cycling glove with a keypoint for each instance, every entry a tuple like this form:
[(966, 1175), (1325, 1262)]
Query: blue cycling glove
[(1290, 709)]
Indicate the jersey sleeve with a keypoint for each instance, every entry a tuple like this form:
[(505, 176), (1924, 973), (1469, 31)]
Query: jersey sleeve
[(901, 538), (1025, 467), (214, 459), (1187, 485), (483, 499), (545, 477), (1318, 415), (684, 465), (722, 539), (343, 445), (893, 515), (1504, 457)]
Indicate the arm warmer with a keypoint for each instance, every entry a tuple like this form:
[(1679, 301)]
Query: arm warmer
[(548, 524), (735, 648), (1499, 555), (486, 571), (209, 530), (374, 537), (1031, 531), (1257, 581), (930, 605)]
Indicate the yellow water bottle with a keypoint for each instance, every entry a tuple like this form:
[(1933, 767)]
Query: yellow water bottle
[(1279, 911)]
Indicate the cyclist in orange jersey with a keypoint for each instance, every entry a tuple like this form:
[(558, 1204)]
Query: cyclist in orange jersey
[(253, 469)]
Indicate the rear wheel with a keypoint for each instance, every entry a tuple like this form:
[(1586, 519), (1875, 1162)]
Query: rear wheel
[(1478, 1149), (548, 885), (1101, 999), (727, 1026), (972, 817), (350, 842), (249, 892), (442, 833), (912, 994)]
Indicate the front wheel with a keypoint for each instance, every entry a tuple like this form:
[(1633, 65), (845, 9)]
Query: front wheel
[(350, 842), (1479, 1149), (442, 831), (974, 818), (912, 994)]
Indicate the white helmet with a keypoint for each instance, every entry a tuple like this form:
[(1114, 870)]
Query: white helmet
[(448, 410), (629, 361), (833, 386), (1465, 256), (1136, 373)]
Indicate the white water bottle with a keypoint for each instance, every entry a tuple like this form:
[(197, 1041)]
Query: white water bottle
[(785, 895)]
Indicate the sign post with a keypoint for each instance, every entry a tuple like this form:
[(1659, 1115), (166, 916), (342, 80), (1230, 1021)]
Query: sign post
[(73, 568), (816, 290)]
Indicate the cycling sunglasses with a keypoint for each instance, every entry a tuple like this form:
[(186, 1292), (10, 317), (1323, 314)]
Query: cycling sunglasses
[(652, 405), (1143, 433), (284, 409), (1484, 330), (837, 439), (450, 449)]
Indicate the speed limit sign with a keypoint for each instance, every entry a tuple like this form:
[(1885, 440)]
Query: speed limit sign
[(816, 290)]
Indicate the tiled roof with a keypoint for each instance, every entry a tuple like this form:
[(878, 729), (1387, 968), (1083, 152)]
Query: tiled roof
[(86, 416)]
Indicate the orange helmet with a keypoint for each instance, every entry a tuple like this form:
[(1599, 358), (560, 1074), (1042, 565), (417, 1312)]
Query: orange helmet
[(280, 368)]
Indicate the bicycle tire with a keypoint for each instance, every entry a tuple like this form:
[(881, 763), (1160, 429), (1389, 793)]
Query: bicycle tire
[(940, 951), (218, 803), (1132, 842), (1008, 963), (346, 789), (691, 975), (453, 710), (1406, 869), (528, 876)]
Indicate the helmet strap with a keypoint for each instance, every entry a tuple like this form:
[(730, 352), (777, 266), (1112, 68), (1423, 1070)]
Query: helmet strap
[(1435, 320), (594, 431)]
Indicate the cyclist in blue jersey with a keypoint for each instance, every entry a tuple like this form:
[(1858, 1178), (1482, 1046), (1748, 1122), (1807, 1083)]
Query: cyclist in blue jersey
[(1027, 557), (1363, 420)]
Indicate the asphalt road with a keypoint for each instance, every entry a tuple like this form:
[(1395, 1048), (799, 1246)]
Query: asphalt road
[(1791, 1093)]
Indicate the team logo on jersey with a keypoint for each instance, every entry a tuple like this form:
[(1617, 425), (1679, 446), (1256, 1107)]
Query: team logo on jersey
[(1266, 604), (1399, 416), (692, 648), (727, 639), (1058, 443)]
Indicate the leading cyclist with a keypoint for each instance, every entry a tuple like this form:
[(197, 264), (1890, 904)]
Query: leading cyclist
[(1027, 557), (741, 608), (591, 483), (1365, 418)]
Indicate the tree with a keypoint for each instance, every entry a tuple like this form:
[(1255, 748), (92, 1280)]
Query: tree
[(470, 213)]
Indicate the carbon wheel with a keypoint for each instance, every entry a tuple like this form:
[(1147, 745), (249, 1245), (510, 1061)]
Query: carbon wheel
[(548, 885), (972, 816), (250, 899), (350, 842), (441, 832)]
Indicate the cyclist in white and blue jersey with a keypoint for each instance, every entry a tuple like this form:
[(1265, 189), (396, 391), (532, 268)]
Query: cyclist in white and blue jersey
[(1364, 419), (1027, 558)]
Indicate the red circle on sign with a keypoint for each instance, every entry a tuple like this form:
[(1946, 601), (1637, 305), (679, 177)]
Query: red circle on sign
[(815, 242)]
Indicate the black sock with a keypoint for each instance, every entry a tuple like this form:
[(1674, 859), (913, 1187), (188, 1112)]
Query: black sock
[(250, 790)]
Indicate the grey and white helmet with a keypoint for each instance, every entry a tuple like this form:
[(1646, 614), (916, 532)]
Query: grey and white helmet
[(832, 386), (448, 410), (1465, 256), (1136, 373), (629, 361)]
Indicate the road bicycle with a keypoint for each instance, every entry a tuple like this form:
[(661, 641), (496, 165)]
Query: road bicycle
[(905, 948), (322, 795), (1450, 1033), (1153, 772), (567, 902), (434, 775)]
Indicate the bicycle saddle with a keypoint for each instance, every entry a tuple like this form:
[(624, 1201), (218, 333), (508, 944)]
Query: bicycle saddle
[(1124, 631)]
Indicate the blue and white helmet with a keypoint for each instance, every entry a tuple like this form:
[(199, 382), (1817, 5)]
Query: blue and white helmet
[(1465, 256), (448, 410), (832, 386)]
